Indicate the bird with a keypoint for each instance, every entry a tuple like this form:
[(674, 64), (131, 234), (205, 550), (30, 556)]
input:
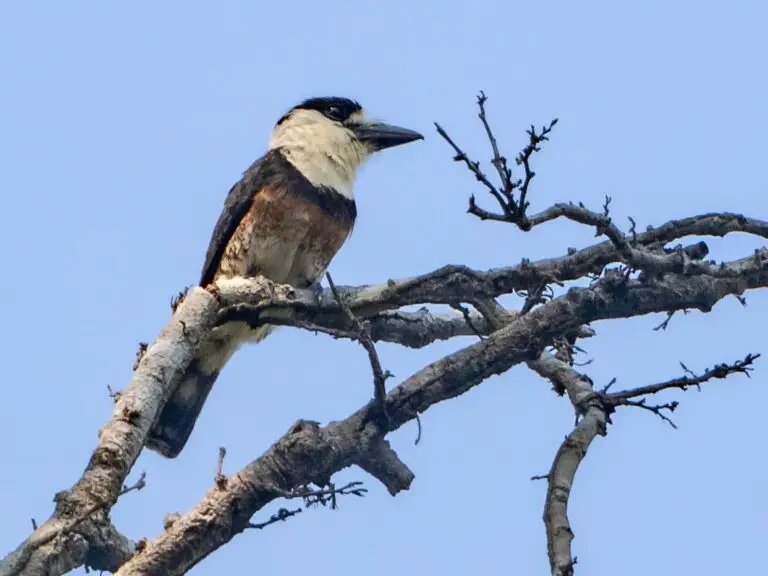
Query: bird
[(285, 219)]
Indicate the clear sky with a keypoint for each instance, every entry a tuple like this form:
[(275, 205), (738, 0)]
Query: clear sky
[(124, 126)]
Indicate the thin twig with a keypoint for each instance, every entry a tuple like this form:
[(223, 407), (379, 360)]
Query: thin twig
[(281, 515), (474, 167), (140, 484), (418, 430), (611, 401), (363, 336), (719, 371), (663, 325), (468, 319), (140, 352), (511, 210), (220, 479), (178, 298), (653, 408), (499, 162), (524, 159), (534, 296), (115, 395), (324, 496)]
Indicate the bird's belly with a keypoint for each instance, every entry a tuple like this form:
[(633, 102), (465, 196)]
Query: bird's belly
[(315, 252), (289, 240), (286, 238), (273, 253)]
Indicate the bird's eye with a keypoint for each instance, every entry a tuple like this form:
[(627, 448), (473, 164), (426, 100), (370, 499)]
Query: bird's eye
[(334, 112)]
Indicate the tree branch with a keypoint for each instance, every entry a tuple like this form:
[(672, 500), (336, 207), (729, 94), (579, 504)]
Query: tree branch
[(362, 334), (592, 422), (309, 453), (63, 542), (673, 278), (593, 411), (719, 371), (257, 300)]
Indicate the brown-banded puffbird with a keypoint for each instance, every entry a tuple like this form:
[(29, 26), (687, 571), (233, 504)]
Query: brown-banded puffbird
[(285, 219)]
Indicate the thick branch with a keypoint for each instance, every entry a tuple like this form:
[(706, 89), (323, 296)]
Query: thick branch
[(307, 454), (572, 451), (56, 547), (421, 328), (452, 284), (63, 542), (79, 531), (593, 410), (311, 454), (245, 301)]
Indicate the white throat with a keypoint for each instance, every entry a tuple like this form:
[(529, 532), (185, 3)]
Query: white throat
[(326, 153)]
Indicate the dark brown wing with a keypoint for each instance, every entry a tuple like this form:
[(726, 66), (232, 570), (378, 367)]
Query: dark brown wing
[(236, 206)]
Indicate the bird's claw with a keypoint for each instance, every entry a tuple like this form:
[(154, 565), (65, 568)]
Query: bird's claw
[(378, 414), (317, 290)]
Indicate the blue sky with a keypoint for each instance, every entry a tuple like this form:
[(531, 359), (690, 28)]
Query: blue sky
[(122, 129)]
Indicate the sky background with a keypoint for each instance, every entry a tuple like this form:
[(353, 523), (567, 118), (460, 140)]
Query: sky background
[(124, 126)]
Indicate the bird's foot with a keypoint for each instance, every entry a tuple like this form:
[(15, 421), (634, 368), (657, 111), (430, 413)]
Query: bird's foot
[(317, 289), (378, 414)]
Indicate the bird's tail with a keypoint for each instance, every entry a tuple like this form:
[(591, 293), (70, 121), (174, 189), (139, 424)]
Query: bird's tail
[(177, 420)]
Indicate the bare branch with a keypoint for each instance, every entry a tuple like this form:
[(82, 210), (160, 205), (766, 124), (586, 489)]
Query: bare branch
[(671, 279), (363, 335), (719, 371), (512, 210), (257, 300), (98, 544), (322, 497), (663, 325), (325, 496), (281, 516), (311, 454), (247, 301), (473, 167), (142, 349), (594, 410), (498, 161), (467, 315), (220, 479), (593, 422), (657, 409), (54, 549)]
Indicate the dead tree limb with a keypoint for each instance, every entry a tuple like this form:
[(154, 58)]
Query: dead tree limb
[(649, 276)]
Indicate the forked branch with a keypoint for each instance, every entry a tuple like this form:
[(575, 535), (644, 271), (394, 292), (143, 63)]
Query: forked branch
[(302, 463)]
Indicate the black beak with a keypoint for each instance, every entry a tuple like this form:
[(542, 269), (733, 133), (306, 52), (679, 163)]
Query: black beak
[(380, 136)]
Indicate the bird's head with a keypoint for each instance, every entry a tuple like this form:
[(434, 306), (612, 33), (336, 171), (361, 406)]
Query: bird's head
[(328, 139)]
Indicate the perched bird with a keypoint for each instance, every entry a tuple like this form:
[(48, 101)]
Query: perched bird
[(285, 219)]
